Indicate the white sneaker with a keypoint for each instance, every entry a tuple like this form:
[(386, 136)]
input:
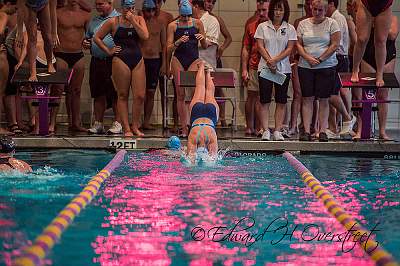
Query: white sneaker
[(116, 128), (347, 126), (331, 134), (278, 136), (97, 128), (266, 135)]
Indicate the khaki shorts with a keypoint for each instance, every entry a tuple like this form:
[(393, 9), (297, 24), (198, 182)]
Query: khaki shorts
[(252, 85)]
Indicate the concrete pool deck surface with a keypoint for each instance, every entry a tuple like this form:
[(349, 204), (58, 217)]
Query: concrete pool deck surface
[(233, 140)]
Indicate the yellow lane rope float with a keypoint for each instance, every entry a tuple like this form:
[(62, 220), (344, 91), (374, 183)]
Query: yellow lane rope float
[(35, 253), (370, 246)]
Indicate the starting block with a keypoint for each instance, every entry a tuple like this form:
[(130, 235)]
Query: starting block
[(369, 89), (41, 90)]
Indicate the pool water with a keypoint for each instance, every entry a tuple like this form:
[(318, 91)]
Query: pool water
[(154, 210)]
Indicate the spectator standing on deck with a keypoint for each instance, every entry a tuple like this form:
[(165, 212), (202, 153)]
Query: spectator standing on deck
[(101, 86), (275, 41), (318, 40), (336, 102), (183, 37), (72, 22), (250, 59), (154, 54)]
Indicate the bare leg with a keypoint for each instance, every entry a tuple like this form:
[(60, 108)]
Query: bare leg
[(264, 110), (99, 105), (122, 83), (148, 108), (381, 30), (250, 111), (306, 112), (357, 95), (323, 114), (180, 95), (296, 103), (220, 93), (210, 92), (56, 90), (30, 22), (46, 27), (383, 94), (364, 22), (200, 91), (74, 96), (280, 111), (138, 87)]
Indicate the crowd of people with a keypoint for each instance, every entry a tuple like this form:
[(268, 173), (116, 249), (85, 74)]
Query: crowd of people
[(135, 48)]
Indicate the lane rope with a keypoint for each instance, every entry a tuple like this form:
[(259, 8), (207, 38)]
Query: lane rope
[(34, 254), (376, 252)]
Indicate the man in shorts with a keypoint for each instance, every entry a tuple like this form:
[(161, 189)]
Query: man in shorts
[(154, 55), (101, 86), (250, 59)]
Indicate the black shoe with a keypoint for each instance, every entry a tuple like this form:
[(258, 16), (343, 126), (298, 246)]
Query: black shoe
[(305, 137), (323, 137)]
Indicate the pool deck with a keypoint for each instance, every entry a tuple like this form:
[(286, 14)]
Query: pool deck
[(233, 140)]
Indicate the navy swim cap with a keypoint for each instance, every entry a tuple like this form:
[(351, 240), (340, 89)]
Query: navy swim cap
[(174, 143), (7, 144)]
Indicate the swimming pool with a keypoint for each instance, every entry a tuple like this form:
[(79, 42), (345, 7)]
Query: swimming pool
[(153, 210)]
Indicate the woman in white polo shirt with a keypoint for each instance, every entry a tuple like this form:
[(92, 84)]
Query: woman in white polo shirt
[(318, 40), (275, 41)]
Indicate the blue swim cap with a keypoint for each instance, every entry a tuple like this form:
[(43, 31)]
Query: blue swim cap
[(7, 144), (149, 4), (174, 143), (127, 3), (185, 8)]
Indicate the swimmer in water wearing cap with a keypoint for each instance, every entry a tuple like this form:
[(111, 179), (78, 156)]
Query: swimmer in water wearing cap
[(7, 162), (204, 112)]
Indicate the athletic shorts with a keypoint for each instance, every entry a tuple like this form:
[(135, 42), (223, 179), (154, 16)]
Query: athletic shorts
[(252, 85), (317, 83), (152, 66), (266, 87), (100, 81), (342, 66)]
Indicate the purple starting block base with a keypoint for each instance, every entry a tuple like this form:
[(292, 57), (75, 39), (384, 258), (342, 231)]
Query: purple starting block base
[(41, 89), (369, 90)]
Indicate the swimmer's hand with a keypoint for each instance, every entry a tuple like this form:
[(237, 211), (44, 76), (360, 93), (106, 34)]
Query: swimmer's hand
[(181, 40), (199, 36), (17, 66), (245, 77), (115, 50), (133, 18), (86, 44), (56, 40)]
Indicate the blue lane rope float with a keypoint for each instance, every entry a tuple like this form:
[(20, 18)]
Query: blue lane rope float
[(34, 254), (376, 252)]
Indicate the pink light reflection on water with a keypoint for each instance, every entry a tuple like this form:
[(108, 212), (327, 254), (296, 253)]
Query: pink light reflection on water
[(326, 253), (147, 204)]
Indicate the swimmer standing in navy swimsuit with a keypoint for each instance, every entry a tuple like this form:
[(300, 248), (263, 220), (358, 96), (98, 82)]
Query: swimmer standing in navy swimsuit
[(183, 37), (379, 13), (204, 112), (128, 69)]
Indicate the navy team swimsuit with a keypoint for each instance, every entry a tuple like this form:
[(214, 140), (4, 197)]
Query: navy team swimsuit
[(187, 52), (128, 39)]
